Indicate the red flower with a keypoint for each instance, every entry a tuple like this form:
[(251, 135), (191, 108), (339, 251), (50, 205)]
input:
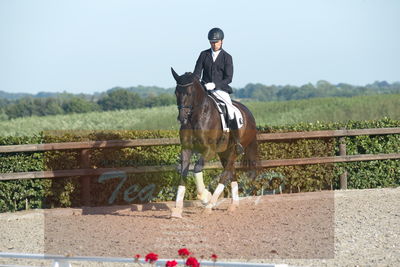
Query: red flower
[(171, 263), (184, 252), (214, 257), (192, 262), (151, 257)]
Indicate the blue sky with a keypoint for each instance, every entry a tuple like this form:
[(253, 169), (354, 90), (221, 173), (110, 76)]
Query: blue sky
[(93, 45)]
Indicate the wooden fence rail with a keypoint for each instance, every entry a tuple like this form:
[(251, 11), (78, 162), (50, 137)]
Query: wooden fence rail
[(208, 166), (175, 141), (86, 172)]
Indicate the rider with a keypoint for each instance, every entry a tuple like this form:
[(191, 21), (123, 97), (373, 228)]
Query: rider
[(217, 67)]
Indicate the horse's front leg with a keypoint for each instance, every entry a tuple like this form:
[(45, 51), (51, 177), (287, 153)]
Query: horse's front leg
[(202, 193), (186, 154), (184, 169)]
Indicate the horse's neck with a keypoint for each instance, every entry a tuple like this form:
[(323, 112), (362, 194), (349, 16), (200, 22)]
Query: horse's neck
[(201, 96), (207, 113)]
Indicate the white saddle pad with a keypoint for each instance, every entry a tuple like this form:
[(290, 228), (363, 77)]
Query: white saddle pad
[(238, 114)]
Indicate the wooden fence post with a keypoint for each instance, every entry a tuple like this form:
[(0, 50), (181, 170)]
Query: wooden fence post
[(85, 180), (342, 152)]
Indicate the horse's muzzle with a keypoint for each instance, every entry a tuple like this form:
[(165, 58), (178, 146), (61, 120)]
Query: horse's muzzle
[(184, 115)]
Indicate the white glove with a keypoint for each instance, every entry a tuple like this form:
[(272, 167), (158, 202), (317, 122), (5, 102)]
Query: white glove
[(210, 86)]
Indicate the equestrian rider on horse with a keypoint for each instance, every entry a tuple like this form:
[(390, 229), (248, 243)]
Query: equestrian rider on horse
[(217, 68)]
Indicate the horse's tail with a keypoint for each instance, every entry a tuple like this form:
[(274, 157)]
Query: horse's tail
[(250, 159)]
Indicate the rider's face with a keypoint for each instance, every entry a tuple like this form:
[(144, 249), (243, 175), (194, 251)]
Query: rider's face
[(216, 46)]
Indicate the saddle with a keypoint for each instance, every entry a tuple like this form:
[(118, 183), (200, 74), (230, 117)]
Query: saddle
[(223, 111)]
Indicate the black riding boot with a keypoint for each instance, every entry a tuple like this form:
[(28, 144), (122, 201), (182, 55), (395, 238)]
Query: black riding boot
[(235, 134)]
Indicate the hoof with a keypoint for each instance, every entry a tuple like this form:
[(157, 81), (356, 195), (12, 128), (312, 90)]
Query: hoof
[(205, 197), (176, 213)]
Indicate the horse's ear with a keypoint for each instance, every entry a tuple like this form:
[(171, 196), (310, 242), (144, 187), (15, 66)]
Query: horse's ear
[(176, 76)]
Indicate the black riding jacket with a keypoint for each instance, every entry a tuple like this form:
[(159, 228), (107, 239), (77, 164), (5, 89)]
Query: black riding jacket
[(219, 72)]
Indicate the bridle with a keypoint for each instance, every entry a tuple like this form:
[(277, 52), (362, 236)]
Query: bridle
[(182, 106), (184, 85)]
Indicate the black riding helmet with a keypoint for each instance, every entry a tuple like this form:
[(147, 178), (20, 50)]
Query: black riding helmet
[(215, 34)]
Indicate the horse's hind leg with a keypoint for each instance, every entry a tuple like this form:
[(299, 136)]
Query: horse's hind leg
[(202, 193), (235, 196), (250, 159)]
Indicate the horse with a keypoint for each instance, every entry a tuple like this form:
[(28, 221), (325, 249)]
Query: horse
[(201, 133)]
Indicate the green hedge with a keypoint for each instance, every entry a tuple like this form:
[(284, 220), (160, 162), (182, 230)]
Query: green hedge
[(137, 188), (361, 175), (17, 194)]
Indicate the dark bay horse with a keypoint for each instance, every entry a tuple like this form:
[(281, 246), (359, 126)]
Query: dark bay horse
[(201, 132)]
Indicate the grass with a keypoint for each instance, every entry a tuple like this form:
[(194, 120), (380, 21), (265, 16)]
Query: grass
[(266, 113), (326, 109)]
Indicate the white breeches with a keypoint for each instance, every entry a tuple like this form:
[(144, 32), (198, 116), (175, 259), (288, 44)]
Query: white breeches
[(224, 96)]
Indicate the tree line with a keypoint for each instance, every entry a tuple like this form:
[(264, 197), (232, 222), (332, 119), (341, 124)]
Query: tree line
[(320, 89), (115, 99), (140, 97)]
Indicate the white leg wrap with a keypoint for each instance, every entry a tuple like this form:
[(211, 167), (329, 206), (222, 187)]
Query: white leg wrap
[(202, 193), (216, 195), (180, 196), (219, 189), (199, 182), (235, 192)]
